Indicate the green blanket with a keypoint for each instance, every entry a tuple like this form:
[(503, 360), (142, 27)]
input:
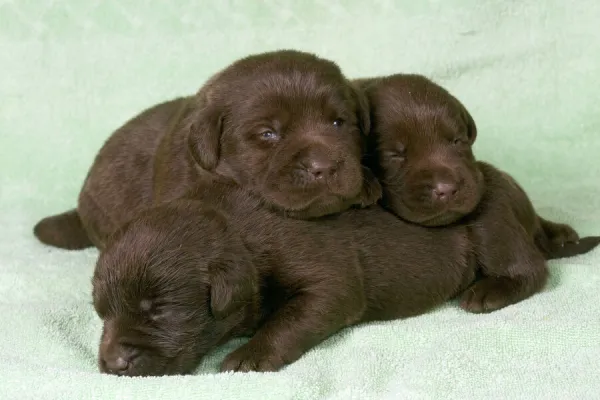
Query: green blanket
[(529, 72)]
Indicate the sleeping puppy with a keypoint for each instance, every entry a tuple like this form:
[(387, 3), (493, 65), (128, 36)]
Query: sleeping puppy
[(188, 275), (421, 151), (286, 125), (168, 288)]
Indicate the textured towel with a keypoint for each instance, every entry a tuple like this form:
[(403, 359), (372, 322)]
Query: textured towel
[(72, 71)]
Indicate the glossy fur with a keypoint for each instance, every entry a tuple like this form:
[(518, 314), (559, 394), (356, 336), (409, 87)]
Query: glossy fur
[(305, 280), (285, 125), (291, 283), (421, 151)]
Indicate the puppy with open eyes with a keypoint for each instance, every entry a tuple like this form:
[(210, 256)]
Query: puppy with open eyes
[(421, 151), (286, 125)]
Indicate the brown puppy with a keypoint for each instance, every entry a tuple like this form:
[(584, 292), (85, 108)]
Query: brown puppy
[(291, 282), (164, 305), (183, 277), (421, 148), (285, 125)]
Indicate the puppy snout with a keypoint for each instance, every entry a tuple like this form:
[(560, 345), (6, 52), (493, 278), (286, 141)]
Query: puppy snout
[(444, 191), (319, 164), (320, 168), (116, 365), (433, 187), (117, 361)]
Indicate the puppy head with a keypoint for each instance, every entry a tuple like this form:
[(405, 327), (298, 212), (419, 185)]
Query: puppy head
[(422, 144), (289, 127), (171, 286)]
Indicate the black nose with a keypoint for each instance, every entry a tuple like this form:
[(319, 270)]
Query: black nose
[(444, 191)]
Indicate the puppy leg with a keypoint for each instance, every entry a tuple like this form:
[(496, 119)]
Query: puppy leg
[(558, 234), (63, 230), (560, 240), (512, 266), (371, 192), (495, 292), (300, 324)]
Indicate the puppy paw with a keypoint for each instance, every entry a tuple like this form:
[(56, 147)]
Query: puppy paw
[(489, 294), (250, 357), (371, 192), (561, 234)]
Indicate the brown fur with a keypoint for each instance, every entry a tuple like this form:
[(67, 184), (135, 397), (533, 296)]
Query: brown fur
[(286, 125), (421, 148), (221, 265), (291, 283)]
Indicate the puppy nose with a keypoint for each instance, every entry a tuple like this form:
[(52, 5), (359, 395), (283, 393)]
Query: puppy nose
[(116, 365), (320, 167), (444, 190)]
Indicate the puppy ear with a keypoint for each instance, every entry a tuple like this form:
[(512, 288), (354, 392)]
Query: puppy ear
[(205, 127), (371, 192), (471, 127), (363, 111), (233, 284)]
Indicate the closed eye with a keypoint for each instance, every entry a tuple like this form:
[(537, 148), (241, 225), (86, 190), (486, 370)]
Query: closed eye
[(397, 153), (394, 155)]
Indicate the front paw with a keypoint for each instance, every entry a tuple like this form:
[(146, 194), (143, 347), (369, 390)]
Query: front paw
[(371, 191), (252, 357), (489, 294)]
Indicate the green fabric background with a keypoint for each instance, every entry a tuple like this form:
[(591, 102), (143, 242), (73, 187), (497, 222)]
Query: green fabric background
[(529, 72)]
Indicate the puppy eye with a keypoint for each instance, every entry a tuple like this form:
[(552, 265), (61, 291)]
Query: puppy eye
[(269, 135), (338, 122), (457, 141)]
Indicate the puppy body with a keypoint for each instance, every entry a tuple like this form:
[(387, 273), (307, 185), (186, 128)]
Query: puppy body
[(292, 283), (312, 278), (421, 151), (286, 125)]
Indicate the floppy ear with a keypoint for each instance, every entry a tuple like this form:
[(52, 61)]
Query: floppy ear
[(371, 191), (205, 127), (233, 284), (471, 127), (363, 111)]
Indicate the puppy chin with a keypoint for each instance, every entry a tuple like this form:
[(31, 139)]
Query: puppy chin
[(294, 190), (139, 368), (153, 368), (446, 218), (416, 214), (441, 217), (300, 203)]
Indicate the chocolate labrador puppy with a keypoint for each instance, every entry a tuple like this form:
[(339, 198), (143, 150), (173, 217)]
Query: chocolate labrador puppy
[(421, 151), (189, 275), (286, 125), (183, 277)]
